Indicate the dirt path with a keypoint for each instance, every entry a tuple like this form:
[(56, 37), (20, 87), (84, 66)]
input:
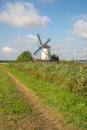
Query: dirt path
[(47, 118)]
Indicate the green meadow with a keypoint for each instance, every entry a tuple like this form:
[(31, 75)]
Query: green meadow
[(62, 87), (16, 113)]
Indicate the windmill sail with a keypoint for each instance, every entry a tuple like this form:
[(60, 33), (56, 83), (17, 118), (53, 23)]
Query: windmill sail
[(37, 51), (45, 53), (46, 42), (39, 39)]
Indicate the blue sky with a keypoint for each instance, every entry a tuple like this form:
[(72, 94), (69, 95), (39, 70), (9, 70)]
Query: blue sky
[(64, 21)]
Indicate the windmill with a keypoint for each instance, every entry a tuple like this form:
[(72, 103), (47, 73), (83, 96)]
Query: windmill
[(44, 48)]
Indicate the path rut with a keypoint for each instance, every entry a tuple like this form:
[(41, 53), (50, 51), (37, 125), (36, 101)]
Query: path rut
[(47, 117)]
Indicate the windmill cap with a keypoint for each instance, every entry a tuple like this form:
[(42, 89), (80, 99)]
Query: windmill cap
[(46, 46)]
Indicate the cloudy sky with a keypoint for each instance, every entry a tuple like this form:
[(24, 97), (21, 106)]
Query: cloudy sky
[(64, 21)]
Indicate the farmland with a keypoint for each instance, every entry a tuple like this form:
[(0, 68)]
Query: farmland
[(61, 88)]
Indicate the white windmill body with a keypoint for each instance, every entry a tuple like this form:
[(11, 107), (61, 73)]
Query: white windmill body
[(45, 50), (45, 54)]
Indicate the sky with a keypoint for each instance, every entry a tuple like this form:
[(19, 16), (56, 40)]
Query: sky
[(64, 21)]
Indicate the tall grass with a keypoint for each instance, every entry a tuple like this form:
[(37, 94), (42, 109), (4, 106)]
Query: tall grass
[(41, 78), (72, 77)]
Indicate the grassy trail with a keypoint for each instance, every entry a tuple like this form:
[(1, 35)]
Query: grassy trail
[(72, 106), (21, 109)]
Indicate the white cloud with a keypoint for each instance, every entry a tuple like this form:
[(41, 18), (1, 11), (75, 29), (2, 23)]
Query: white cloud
[(80, 28), (8, 50), (22, 14), (32, 39), (70, 39), (77, 17), (84, 52)]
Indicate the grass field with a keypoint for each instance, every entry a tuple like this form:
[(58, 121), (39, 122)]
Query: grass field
[(17, 112), (71, 104), (71, 76)]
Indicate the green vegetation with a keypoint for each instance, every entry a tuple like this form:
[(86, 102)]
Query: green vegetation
[(54, 57), (24, 56), (15, 112), (12, 107), (51, 82), (71, 76)]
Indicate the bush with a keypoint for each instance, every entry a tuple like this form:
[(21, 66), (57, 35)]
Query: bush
[(54, 57), (24, 56)]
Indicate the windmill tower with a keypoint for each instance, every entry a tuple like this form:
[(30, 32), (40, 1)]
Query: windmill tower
[(44, 48)]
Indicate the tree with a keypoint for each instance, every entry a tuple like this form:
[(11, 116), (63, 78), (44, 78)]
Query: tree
[(55, 57), (25, 56)]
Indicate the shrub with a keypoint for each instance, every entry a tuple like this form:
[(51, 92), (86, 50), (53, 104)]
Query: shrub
[(24, 56)]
